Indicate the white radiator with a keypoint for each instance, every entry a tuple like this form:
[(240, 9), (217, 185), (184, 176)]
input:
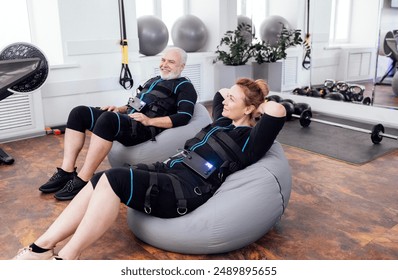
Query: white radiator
[(290, 73), (17, 117), (15, 112), (359, 65)]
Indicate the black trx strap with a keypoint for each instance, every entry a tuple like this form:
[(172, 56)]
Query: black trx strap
[(307, 42), (125, 79)]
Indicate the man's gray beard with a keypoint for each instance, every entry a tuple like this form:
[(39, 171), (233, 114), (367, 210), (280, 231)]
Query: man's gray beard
[(169, 76)]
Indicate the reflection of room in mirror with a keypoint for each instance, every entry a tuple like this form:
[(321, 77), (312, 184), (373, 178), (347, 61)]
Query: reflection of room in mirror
[(386, 94), (355, 55), (384, 97)]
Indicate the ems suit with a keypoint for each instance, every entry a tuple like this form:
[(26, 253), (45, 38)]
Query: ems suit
[(175, 98), (188, 179)]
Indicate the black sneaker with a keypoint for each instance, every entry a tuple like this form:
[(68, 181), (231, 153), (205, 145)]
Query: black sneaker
[(71, 189), (57, 181)]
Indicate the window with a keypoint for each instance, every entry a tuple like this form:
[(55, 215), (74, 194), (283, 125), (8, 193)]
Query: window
[(254, 9), (14, 23), (144, 8), (168, 11), (35, 22), (340, 21), (171, 11)]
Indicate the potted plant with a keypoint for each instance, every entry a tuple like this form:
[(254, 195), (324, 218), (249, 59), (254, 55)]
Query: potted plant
[(234, 52), (236, 47), (239, 46)]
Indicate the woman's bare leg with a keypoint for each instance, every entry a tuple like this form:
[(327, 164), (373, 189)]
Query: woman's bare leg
[(102, 211), (67, 222)]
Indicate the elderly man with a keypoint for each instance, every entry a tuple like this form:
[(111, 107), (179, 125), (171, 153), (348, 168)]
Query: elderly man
[(163, 102)]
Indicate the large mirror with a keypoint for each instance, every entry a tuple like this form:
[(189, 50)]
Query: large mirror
[(348, 48), (386, 86)]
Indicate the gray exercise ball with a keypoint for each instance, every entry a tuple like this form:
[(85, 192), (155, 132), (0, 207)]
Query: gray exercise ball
[(394, 84), (189, 33), (153, 35), (271, 27), (247, 35)]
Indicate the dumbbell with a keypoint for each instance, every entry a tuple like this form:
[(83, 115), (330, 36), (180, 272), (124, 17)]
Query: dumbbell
[(275, 98)]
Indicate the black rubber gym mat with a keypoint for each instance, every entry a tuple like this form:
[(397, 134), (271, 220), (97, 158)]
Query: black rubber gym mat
[(335, 142)]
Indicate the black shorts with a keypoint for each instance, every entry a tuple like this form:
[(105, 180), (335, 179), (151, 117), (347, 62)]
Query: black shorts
[(130, 184), (110, 126)]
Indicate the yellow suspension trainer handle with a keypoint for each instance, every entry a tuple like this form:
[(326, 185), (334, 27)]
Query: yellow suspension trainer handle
[(125, 79)]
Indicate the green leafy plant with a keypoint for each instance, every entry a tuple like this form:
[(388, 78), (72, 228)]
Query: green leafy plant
[(265, 52), (237, 47)]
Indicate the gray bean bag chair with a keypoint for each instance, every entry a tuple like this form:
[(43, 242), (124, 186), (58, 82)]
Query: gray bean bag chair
[(244, 208), (166, 144)]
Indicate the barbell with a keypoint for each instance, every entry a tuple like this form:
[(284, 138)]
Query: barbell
[(376, 134)]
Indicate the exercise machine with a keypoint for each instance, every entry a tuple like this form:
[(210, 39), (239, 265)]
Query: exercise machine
[(390, 48), (23, 69)]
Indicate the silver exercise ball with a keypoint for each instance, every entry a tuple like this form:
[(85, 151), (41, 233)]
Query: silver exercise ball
[(153, 35), (271, 27), (394, 84), (189, 33), (247, 35)]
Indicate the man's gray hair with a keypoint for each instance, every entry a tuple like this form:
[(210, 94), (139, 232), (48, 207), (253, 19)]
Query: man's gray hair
[(181, 52)]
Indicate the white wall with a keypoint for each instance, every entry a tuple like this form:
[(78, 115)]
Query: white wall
[(92, 55)]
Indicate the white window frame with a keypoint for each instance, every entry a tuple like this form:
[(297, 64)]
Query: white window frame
[(157, 11), (45, 36), (242, 9), (334, 37), (9, 21)]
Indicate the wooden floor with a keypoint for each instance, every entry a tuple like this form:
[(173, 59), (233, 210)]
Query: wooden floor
[(336, 210), (383, 95)]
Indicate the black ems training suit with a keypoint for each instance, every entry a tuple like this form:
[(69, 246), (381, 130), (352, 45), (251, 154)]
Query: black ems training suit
[(175, 98), (170, 189)]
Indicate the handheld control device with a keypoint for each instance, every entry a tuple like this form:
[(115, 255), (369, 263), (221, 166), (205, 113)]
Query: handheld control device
[(198, 164), (136, 103)]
